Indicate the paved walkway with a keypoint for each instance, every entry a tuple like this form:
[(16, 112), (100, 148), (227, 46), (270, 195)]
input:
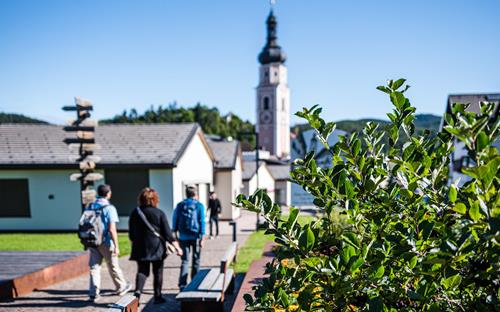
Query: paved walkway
[(72, 294)]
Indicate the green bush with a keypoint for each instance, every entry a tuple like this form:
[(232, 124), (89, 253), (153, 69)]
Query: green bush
[(393, 234)]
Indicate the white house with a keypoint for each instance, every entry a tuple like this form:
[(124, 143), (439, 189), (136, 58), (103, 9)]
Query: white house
[(459, 157), (35, 165), (228, 180), (252, 181), (282, 184)]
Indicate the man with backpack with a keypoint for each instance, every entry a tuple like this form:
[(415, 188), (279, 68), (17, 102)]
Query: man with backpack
[(98, 233), (189, 221)]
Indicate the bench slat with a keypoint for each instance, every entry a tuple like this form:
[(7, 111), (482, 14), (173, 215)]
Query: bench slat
[(228, 257), (196, 281), (209, 280), (198, 296), (217, 286)]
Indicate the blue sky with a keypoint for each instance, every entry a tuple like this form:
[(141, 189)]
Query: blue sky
[(125, 54)]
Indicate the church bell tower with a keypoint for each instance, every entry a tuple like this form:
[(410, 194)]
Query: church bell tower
[(273, 96)]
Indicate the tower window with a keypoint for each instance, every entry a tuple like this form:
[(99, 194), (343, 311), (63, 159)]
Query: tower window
[(283, 104), (265, 103)]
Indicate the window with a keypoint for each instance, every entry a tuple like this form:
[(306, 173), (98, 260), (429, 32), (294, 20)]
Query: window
[(266, 103), (15, 199), (283, 106), (125, 186)]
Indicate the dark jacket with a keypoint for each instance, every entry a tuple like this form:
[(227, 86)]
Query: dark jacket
[(215, 207), (145, 245)]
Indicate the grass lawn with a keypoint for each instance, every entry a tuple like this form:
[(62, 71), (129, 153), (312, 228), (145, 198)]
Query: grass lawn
[(252, 250), (254, 246), (51, 242)]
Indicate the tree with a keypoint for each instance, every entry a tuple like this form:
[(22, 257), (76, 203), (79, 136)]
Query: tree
[(209, 118), (392, 233)]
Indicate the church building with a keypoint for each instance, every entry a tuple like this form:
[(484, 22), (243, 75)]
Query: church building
[(273, 96)]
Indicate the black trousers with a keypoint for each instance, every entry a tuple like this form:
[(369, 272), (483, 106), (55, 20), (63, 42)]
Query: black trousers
[(214, 219), (143, 273)]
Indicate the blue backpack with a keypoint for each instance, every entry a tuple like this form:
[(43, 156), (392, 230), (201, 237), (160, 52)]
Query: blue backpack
[(187, 220)]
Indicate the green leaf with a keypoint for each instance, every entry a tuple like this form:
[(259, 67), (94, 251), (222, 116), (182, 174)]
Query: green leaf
[(306, 239), (384, 89), (398, 83), (292, 218), (474, 212), (398, 99), (413, 262), (378, 272), (283, 297), (351, 239), (482, 141), (460, 208), (452, 193), (451, 282), (356, 264), (356, 147), (346, 253)]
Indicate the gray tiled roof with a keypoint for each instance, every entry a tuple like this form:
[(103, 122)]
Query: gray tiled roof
[(225, 152), (279, 172), (42, 145), (249, 169)]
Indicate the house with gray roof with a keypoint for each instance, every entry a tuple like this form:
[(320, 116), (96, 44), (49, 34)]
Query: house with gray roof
[(460, 157), (35, 165), (228, 175), (282, 184)]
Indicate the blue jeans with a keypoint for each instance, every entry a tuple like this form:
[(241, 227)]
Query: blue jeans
[(186, 246)]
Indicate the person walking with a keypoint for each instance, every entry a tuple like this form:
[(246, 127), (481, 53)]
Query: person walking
[(215, 209), (149, 231), (189, 221), (109, 249)]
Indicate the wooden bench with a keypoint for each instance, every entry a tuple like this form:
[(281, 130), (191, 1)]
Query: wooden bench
[(127, 303), (206, 291)]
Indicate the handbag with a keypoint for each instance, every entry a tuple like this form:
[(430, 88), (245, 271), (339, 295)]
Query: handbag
[(170, 249)]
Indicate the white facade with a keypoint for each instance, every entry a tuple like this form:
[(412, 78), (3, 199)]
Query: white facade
[(195, 167), (283, 193), (273, 109), (54, 200), (228, 185), (60, 213)]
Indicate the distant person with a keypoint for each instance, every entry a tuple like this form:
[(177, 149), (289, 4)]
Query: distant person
[(215, 209), (149, 231), (108, 250), (189, 221)]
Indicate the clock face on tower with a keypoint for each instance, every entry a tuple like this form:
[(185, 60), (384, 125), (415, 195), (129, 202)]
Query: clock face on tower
[(266, 117)]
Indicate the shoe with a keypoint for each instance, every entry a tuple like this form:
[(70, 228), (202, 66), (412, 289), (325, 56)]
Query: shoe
[(124, 290), (159, 300), (211, 237), (95, 298)]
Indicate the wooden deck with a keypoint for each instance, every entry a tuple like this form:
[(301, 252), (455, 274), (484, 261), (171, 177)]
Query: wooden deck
[(23, 272)]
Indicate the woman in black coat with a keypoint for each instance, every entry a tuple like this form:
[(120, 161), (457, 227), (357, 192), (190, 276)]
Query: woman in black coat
[(147, 248)]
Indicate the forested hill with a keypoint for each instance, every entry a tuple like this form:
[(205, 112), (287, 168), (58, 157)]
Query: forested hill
[(209, 118), (17, 118), (422, 122)]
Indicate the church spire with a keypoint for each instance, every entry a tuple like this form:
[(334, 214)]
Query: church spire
[(272, 52)]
